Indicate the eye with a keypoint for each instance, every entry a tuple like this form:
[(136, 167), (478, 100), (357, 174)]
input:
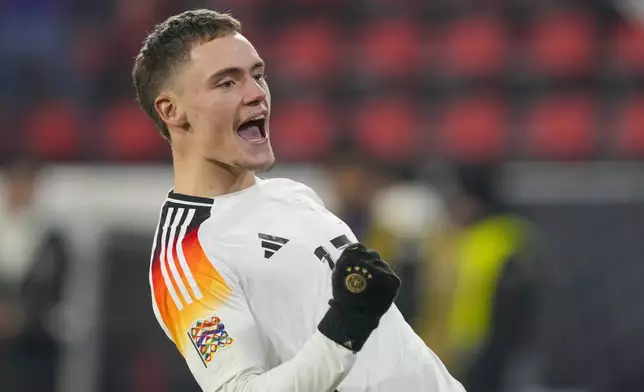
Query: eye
[(260, 77), (227, 84)]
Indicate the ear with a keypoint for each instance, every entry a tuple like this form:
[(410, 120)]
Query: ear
[(170, 111)]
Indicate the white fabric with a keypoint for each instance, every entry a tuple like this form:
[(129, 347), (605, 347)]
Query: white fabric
[(275, 304)]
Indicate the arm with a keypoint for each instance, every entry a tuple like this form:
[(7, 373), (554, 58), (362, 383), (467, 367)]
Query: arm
[(240, 367), (221, 342), (321, 365)]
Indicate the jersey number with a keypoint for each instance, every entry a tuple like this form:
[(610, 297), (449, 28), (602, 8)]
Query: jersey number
[(339, 243)]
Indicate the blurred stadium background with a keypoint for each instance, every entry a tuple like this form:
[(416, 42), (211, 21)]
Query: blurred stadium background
[(394, 111)]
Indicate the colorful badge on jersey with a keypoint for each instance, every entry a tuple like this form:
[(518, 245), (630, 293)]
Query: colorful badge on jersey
[(209, 336)]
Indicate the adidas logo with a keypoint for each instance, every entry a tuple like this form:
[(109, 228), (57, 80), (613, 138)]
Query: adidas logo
[(271, 244)]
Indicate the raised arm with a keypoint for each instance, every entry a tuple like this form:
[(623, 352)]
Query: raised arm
[(210, 322)]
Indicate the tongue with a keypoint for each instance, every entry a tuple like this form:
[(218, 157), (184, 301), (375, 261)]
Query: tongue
[(250, 133)]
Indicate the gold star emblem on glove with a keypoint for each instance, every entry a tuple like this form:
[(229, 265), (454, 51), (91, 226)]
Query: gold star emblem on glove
[(356, 282)]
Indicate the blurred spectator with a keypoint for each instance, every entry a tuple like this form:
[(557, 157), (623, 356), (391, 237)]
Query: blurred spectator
[(32, 262), (356, 181), (405, 214), (490, 265)]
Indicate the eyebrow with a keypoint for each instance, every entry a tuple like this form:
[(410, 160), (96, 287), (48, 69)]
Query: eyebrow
[(233, 71)]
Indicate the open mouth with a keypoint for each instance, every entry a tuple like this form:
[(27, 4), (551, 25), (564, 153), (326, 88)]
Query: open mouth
[(254, 130)]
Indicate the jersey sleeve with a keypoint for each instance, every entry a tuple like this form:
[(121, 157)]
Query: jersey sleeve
[(200, 304)]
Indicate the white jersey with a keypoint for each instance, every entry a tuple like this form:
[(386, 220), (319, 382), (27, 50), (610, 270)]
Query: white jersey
[(240, 282)]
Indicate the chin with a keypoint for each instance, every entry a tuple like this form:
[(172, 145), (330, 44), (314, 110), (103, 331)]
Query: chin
[(264, 165), (260, 163)]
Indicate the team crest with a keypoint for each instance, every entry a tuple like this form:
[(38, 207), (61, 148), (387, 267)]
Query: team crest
[(209, 336), (355, 283)]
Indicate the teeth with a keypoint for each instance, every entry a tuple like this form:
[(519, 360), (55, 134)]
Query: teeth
[(258, 117)]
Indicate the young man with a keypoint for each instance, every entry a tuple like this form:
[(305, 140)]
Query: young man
[(257, 284)]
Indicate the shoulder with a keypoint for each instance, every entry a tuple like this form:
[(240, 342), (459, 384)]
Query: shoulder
[(288, 190), (278, 211)]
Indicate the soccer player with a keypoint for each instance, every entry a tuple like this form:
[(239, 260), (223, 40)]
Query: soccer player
[(256, 283)]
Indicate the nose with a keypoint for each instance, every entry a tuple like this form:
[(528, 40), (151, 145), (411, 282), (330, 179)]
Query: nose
[(254, 94)]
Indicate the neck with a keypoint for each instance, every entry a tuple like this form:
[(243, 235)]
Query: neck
[(204, 178)]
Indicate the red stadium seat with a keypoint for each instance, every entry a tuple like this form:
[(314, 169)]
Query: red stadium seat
[(475, 128), (631, 128), (629, 46), (475, 46), (562, 44), (562, 127), (131, 135), (52, 131), (301, 130), (387, 129), (388, 48), (307, 50)]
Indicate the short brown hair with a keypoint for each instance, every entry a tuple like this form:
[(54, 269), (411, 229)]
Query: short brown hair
[(168, 46)]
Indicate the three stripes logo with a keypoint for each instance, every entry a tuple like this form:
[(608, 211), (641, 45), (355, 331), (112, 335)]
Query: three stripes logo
[(271, 244), (176, 252)]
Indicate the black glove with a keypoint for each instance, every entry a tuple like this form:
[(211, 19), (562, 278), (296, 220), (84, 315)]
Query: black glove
[(364, 287)]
